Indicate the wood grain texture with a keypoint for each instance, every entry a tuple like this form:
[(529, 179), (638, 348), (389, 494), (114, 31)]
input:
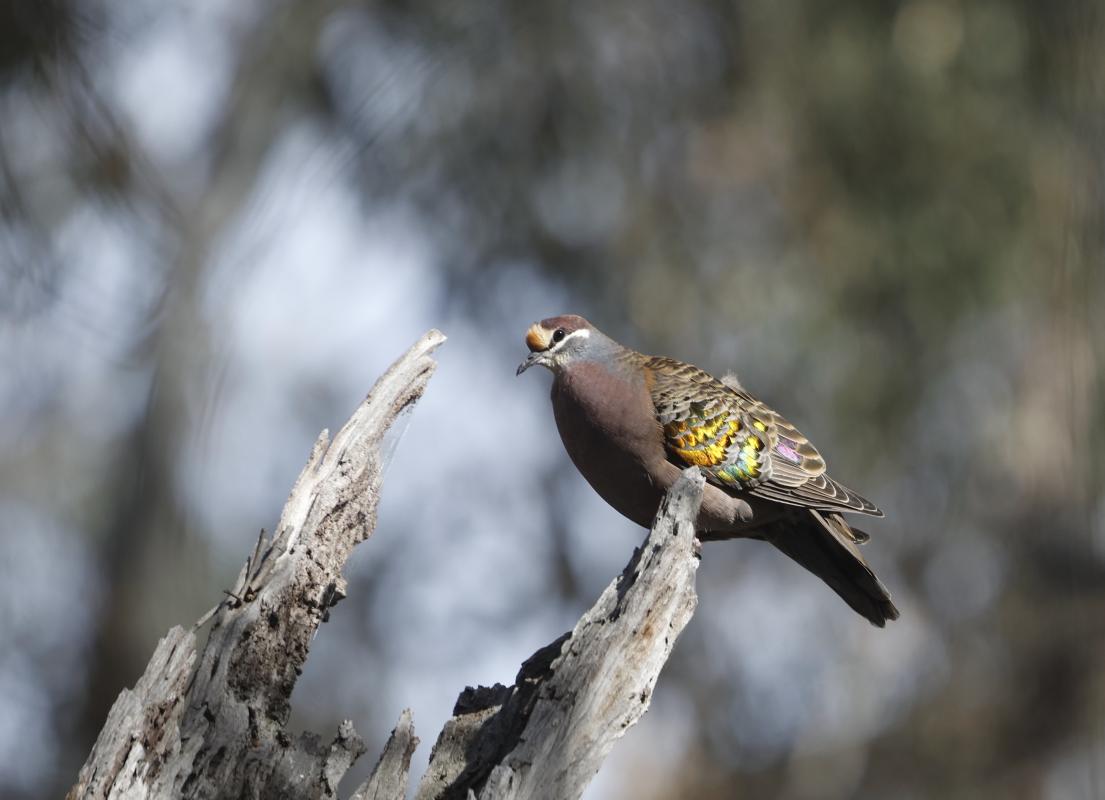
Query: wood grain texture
[(388, 780), (213, 723), (547, 735)]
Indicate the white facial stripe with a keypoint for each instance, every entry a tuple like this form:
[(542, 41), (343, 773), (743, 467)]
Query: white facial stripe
[(582, 333)]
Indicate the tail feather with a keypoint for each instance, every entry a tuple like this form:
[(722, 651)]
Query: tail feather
[(823, 543)]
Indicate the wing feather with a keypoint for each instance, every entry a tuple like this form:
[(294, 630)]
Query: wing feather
[(739, 442)]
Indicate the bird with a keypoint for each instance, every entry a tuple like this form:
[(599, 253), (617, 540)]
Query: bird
[(631, 423)]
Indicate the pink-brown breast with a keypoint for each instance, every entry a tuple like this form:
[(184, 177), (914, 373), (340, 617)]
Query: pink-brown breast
[(608, 423), (609, 428)]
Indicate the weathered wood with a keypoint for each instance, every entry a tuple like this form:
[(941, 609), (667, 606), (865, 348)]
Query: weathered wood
[(213, 725), (388, 780), (546, 736), (216, 726)]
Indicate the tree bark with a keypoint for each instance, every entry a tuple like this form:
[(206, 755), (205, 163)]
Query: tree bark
[(547, 735), (213, 724)]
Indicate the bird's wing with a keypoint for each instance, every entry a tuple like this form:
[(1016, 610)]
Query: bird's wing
[(739, 442)]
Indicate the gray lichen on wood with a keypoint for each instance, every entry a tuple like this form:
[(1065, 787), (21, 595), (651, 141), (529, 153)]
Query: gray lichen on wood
[(213, 724)]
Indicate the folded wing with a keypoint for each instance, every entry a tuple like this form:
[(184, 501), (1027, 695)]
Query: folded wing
[(740, 443)]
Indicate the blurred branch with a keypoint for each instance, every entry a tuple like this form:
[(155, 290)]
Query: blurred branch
[(548, 734), (178, 346), (221, 729)]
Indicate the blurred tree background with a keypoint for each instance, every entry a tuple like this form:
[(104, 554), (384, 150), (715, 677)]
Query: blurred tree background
[(222, 219)]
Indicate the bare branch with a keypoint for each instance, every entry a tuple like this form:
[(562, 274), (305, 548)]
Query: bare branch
[(217, 728), (547, 735), (215, 725), (388, 780)]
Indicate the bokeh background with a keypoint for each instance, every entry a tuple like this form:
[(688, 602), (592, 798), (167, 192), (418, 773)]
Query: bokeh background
[(221, 220)]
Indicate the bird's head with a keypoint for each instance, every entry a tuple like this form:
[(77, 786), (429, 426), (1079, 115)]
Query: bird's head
[(557, 341)]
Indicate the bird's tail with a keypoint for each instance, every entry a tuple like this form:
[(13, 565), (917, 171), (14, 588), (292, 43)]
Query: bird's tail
[(825, 544)]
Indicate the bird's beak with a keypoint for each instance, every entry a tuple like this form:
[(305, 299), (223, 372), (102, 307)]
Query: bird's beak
[(531, 359)]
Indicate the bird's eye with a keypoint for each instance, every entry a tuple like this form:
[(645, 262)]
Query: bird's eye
[(558, 335)]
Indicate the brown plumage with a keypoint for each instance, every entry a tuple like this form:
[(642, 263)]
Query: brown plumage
[(631, 423)]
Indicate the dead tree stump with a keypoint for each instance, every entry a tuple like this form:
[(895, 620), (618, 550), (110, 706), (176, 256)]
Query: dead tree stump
[(213, 723)]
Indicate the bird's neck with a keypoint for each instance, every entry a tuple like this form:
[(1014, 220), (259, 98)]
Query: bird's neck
[(609, 359)]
